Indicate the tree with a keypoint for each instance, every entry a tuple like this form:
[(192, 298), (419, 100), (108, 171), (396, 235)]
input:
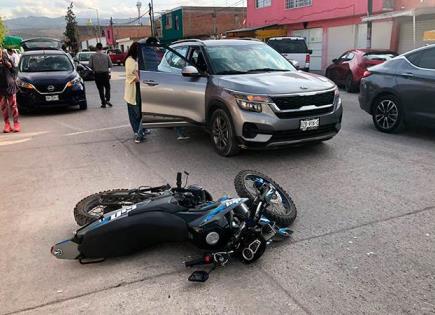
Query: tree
[(2, 31), (71, 32)]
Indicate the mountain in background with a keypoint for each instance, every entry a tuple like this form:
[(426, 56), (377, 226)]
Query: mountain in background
[(34, 26)]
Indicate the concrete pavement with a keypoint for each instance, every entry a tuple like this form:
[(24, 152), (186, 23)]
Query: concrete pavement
[(364, 239)]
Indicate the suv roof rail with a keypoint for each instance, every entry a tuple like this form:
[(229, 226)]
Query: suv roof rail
[(187, 40), (250, 38)]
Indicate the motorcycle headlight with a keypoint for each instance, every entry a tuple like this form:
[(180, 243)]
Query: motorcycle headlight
[(74, 82), (25, 85), (252, 103)]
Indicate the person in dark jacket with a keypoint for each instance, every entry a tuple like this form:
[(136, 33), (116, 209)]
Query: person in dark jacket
[(8, 92)]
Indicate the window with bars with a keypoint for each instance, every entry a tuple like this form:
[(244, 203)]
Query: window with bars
[(292, 4), (263, 3)]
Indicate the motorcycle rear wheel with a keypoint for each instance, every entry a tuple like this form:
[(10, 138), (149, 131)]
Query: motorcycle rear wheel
[(284, 214), (90, 208)]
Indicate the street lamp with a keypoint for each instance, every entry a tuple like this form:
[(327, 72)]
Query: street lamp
[(139, 6), (98, 23)]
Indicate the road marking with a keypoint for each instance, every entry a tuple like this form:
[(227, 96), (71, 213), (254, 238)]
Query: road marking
[(9, 142), (95, 130)]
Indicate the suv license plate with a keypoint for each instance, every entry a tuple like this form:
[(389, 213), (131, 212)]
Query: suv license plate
[(309, 124), (50, 98)]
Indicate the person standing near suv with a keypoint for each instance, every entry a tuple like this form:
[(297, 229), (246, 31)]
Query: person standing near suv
[(8, 90), (101, 64)]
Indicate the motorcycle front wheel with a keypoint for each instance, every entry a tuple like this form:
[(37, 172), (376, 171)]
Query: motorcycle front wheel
[(282, 209)]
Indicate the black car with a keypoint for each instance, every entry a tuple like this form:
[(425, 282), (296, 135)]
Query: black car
[(401, 90), (48, 78)]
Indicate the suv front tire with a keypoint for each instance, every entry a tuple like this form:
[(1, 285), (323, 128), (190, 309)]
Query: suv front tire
[(222, 133)]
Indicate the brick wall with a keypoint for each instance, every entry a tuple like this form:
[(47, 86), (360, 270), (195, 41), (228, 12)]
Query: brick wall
[(135, 31), (211, 21)]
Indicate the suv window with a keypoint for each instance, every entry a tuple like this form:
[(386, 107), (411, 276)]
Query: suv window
[(174, 60), (423, 59), (289, 46)]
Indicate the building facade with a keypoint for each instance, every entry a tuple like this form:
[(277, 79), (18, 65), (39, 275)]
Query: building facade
[(89, 35), (200, 22), (331, 27)]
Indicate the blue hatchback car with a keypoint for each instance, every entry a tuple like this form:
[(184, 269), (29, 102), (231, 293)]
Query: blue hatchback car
[(48, 78)]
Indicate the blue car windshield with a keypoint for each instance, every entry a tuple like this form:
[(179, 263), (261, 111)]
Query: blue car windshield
[(45, 63), (249, 58)]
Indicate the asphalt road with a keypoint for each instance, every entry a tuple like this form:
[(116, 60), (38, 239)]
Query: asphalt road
[(364, 240)]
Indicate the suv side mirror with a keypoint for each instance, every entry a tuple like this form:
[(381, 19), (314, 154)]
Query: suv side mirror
[(310, 51), (334, 60), (190, 71)]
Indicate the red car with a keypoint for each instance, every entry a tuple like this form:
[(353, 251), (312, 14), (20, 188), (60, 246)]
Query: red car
[(349, 68), (117, 56)]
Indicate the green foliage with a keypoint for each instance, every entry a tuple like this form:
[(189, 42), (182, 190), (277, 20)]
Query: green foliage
[(71, 31), (2, 31)]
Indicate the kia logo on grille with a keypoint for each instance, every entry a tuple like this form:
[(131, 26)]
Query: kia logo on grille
[(50, 88)]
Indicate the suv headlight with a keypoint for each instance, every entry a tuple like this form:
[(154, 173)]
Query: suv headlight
[(25, 85), (74, 82), (252, 103)]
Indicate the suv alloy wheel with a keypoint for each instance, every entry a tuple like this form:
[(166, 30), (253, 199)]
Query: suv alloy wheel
[(222, 133)]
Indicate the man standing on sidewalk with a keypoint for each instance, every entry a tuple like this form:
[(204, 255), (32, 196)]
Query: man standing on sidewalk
[(101, 64)]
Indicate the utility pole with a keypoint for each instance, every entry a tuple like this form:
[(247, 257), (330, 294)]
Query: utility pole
[(112, 33), (139, 6), (151, 13), (369, 23)]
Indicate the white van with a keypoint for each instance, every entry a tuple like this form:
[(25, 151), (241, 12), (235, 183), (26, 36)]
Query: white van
[(294, 49)]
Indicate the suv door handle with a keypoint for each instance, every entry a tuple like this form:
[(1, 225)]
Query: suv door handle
[(150, 82), (408, 75)]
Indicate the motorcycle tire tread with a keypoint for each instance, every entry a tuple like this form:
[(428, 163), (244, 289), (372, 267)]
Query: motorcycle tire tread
[(281, 220), (81, 215)]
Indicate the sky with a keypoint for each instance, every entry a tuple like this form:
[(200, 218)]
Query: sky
[(107, 8)]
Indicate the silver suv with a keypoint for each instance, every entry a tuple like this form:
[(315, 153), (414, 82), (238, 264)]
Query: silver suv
[(243, 91)]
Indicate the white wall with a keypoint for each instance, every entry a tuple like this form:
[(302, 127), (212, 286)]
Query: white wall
[(92, 42)]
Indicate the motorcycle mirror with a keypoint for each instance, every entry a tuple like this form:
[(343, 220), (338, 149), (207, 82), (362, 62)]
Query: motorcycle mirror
[(199, 276)]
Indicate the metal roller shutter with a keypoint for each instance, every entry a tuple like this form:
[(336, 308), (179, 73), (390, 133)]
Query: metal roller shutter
[(406, 37)]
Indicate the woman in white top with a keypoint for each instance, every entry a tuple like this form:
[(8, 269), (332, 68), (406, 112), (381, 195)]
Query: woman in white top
[(132, 93)]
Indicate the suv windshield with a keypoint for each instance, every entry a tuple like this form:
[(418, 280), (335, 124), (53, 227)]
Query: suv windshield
[(240, 59), (85, 56), (44, 63), (289, 46)]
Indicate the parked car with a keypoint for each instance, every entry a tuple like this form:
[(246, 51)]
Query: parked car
[(83, 57), (244, 92), (348, 69), (48, 78), (400, 91), (117, 56), (294, 49)]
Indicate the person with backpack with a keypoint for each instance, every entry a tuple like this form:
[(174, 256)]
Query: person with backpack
[(8, 93)]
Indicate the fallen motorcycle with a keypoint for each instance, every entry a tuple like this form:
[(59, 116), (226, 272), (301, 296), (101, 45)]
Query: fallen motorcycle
[(121, 222)]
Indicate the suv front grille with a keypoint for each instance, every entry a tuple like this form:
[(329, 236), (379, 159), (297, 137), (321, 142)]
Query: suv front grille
[(298, 101), (305, 113), (44, 88)]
